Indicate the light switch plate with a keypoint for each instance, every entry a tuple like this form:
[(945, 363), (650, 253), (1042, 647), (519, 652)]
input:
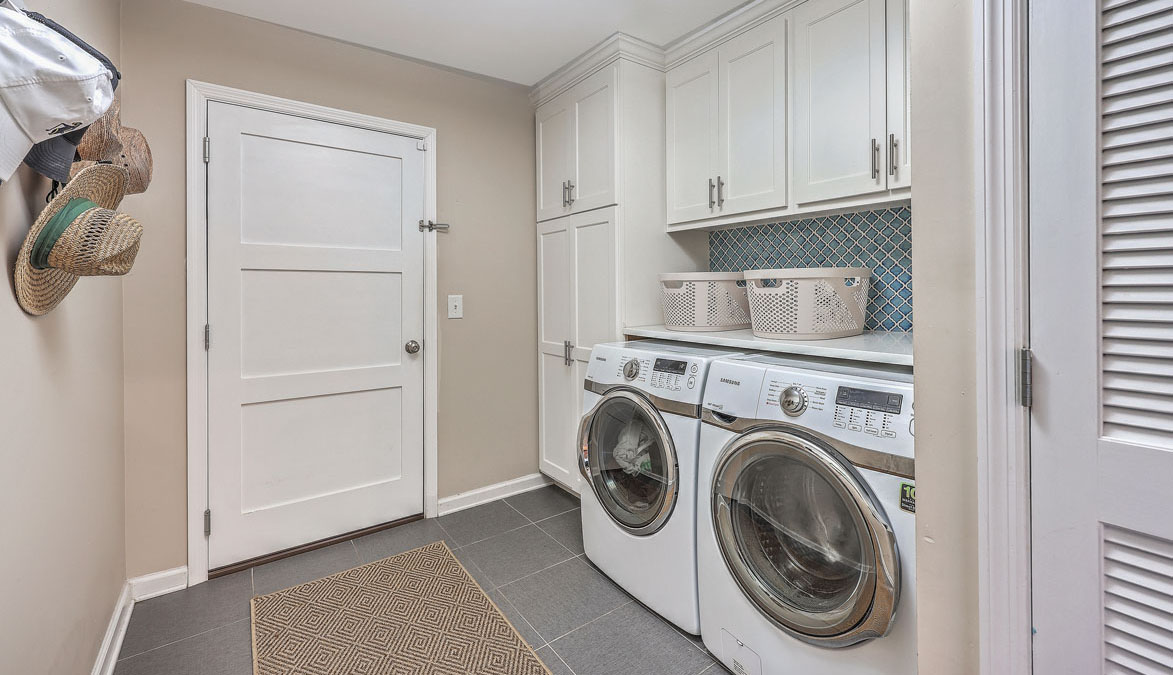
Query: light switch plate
[(455, 306)]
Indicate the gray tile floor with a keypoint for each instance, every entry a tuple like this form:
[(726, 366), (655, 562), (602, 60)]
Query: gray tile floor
[(526, 551)]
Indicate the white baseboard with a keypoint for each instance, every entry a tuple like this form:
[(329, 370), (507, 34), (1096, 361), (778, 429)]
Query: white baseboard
[(159, 583), (490, 493), (115, 631)]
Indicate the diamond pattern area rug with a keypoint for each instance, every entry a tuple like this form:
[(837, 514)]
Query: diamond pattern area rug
[(417, 613)]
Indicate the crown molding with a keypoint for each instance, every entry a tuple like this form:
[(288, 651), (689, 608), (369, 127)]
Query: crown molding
[(723, 28), (661, 58), (619, 45)]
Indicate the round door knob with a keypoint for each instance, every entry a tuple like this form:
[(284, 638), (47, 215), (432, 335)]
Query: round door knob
[(631, 369), (793, 401), (412, 347)]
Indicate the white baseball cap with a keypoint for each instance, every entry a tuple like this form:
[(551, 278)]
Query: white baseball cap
[(48, 86)]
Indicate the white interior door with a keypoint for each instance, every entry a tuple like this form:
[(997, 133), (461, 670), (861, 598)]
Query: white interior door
[(558, 415), (554, 126), (752, 144), (593, 179), (1101, 254), (315, 284), (839, 101), (691, 127)]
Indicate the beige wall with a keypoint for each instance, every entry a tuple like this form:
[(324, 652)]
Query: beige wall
[(943, 124), (62, 566), (486, 186)]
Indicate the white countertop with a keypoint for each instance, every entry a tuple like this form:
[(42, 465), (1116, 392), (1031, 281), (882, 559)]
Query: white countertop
[(870, 347)]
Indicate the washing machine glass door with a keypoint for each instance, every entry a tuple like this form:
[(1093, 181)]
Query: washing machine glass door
[(630, 461), (804, 538)]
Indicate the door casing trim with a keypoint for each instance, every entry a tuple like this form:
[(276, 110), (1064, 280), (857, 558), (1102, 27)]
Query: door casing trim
[(199, 94), (1001, 284)]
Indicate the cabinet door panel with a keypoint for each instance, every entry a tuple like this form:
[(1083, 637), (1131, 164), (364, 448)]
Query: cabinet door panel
[(691, 125), (752, 142), (555, 130), (839, 100), (557, 413), (593, 154), (899, 122), (595, 279)]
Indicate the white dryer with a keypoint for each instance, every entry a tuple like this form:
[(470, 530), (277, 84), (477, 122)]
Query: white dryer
[(805, 518), (638, 453)]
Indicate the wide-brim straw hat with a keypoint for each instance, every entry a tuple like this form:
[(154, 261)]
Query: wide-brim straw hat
[(84, 235)]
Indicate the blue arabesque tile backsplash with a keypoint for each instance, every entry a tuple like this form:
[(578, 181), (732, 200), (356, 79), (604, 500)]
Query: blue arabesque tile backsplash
[(880, 239)]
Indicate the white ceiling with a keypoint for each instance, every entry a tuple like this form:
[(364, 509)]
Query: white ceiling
[(516, 40)]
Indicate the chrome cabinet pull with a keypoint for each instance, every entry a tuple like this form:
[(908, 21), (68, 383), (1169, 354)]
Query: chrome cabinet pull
[(712, 201), (564, 193), (567, 359), (893, 147), (720, 192), (570, 193), (875, 159)]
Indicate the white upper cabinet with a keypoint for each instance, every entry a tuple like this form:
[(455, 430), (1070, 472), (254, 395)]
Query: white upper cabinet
[(555, 134), (751, 172), (592, 179), (726, 127), (691, 128), (899, 165), (840, 129), (576, 147)]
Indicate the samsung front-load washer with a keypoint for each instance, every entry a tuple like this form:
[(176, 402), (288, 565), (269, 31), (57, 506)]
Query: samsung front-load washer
[(805, 525), (638, 451)]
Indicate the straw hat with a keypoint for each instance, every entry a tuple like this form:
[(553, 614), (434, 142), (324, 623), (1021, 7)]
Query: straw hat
[(79, 233), (108, 141)]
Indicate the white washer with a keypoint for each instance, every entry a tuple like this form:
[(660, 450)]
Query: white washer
[(638, 451), (805, 525)]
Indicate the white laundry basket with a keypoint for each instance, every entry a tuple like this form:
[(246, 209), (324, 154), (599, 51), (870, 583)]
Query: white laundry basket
[(704, 301), (808, 304)]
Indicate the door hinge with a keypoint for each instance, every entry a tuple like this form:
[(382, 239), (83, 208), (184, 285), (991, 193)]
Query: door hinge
[(207, 522), (1026, 363), (207, 337), (429, 226), (421, 145), (207, 149)]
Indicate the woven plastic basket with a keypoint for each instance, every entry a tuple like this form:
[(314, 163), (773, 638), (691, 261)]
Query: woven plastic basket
[(704, 301), (808, 304)]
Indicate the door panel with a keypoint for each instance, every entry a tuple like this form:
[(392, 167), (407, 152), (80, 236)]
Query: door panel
[(839, 100), (557, 414), (594, 141), (595, 280), (554, 126), (1101, 325), (899, 140), (692, 116), (753, 119), (315, 415)]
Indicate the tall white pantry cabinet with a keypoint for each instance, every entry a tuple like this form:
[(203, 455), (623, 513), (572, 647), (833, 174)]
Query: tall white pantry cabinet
[(601, 237)]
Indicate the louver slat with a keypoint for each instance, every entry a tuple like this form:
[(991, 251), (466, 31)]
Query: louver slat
[(1136, 221), (1138, 603)]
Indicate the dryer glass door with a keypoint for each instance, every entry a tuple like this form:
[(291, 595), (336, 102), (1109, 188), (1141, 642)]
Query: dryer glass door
[(804, 538), (630, 461)]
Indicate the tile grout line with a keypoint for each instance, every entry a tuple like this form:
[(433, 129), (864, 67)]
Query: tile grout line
[(184, 639), (555, 653), (523, 618), (510, 583), (589, 622), (505, 501)]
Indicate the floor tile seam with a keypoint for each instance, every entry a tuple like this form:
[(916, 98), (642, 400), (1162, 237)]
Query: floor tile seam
[(505, 501), (544, 569), (560, 513), (526, 620), (690, 638), (499, 534), (604, 614), (183, 639), (564, 663)]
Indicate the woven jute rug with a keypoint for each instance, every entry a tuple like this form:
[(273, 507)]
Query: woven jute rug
[(417, 613)]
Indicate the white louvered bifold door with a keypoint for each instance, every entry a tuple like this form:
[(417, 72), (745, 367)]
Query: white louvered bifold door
[(1101, 219)]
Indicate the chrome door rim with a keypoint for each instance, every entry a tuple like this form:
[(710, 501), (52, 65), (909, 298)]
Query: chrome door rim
[(593, 475), (872, 613)]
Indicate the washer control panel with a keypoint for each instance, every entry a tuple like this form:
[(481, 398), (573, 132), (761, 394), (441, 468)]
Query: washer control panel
[(862, 411), (666, 371)]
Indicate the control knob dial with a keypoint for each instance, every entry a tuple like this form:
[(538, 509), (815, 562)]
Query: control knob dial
[(793, 401)]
